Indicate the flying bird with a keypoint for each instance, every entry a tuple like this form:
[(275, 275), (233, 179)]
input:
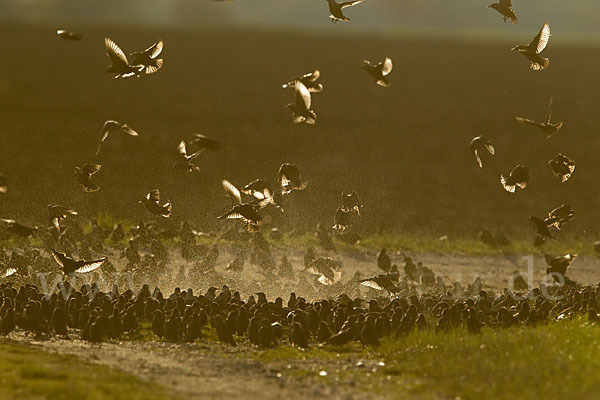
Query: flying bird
[(204, 142), (289, 178), (111, 126), (351, 202), (532, 50), (3, 184), (541, 227), (9, 271), (560, 216), (71, 266), (83, 176), (183, 159), (152, 203), (504, 7), (478, 144), (342, 219), (57, 213), (336, 8), (562, 167), (247, 213), (519, 176), (301, 111), (309, 80), (149, 58), (327, 269), (70, 35), (387, 282), (18, 229), (379, 71), (559, 265), (120, 66), (232, 191), (547, 126)]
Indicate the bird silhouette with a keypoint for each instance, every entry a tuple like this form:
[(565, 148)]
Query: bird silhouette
[(336, 8), (379, 71), (547, 127), (71, 266), (562, 167), (478, 144), (83, 176), (532, 50), (70, 35), (111, 126), (183, 159), (289, 178), (505, 8), (152, 203), (18, 229), (301, 109), (57, 213), (519, 176), (120, 66), (149, 58)]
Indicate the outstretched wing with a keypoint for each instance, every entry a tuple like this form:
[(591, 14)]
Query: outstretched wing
[(540, 41), (303, 99), (528, 121), (371, 283), (350, 3), (89, 266), (153, 196), (549, 111), (232, 191), (386, 67), (155, 49), (114, 52), (91, 169)]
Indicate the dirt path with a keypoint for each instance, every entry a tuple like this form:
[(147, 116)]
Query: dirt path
[(197, 371)]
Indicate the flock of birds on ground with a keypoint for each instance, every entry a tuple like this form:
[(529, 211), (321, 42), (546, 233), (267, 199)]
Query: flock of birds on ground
[(417, 299)]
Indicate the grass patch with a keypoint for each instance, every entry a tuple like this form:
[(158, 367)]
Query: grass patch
[(28, 373), (560, 360)]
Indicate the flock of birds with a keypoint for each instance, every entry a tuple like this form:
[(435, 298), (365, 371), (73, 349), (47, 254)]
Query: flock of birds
[(418, 299)]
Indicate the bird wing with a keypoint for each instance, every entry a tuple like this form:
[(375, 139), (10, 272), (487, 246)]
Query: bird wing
[(386, 66), (9, 271), (128, 130), (108, 127), (91, 169), (181, 149), (302, 96), (477, 158), (549, 111), (114, 52), (232, 191), (155, 49), (150, 69), (350, 3), (312, 76), (8, 221), (540, 41), (528, 121), (89, 266), (371, 283), (490, 148)]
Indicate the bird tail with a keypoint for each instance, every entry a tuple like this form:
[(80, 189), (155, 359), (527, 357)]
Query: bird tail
[(383, 82)]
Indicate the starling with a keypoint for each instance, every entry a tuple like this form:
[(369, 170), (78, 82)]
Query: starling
[(301, 111), (183, 159), (298, 336), (532, 50), (111, 126), (342, 219), (232, 191), (519, 176), (351, 202), (289, 178), (59, 320), (541, 228), (327, 268), (336, 8), (18, 229), (247, 213), (560, 216), (379, 71), (309, 80), (57, 213), (120, 66), (69, 35), (559, 265), (152, 203), (479, 143), (504, 7), (323, 332), (368, 333), (547, 127), (562, 167), (387, 282), (70, 265), (158, 323), (83, 176), (383, 261), (149, 58)]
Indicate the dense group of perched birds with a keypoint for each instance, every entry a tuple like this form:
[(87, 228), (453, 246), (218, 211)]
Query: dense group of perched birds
[(401, 300)]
